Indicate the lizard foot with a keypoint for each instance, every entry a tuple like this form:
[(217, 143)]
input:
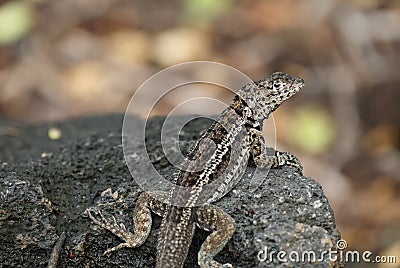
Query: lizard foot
[(285, 158), (117, 229), (214, 264)]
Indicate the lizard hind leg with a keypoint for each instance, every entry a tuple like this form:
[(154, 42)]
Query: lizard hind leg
[(142, 222), (222, 226)]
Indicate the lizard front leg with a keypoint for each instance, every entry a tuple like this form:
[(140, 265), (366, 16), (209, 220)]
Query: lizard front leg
[(258, 150), (142, 221), (213, 218)]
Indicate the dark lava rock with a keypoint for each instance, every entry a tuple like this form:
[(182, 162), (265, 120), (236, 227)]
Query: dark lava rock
[(46, 185)]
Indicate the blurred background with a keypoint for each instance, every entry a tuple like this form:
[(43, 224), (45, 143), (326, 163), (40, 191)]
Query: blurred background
[(61, 59)]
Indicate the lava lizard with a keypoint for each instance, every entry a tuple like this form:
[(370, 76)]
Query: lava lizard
[(215, 155)]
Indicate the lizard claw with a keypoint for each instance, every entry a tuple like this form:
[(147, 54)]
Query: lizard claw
[(285, 158), (215, 264), (118, 229), (103, 222)]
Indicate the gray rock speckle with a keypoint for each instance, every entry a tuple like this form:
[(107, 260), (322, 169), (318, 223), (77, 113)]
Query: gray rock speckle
[(24, 222), (47, 185)]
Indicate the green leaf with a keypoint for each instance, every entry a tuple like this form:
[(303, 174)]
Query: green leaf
[(314, 129), (16, 19), (205, 11)]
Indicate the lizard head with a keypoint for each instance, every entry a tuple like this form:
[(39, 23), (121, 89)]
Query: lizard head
[(266, 95)]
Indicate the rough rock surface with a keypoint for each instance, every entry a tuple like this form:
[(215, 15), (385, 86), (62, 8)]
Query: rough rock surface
[(46, 185)]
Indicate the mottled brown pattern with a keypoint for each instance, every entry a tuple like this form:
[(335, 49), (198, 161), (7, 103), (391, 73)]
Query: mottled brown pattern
[(220, 155)]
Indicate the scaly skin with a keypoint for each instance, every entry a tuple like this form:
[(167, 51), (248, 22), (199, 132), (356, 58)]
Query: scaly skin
[(220, 156)]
